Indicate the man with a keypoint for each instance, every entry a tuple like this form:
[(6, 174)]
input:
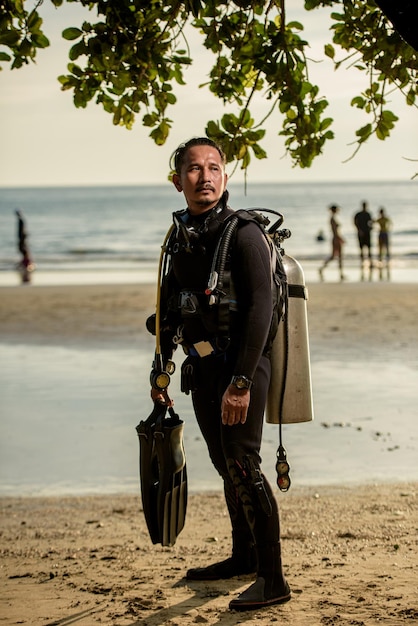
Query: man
[(364, 223), (228, 377)]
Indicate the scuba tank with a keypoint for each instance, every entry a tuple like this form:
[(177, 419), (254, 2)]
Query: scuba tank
[(289, 398), (290, 392)]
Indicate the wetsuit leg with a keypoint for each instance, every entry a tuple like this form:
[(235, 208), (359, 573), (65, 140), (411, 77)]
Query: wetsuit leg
[(263, 516), (237, 460), (214, 377), (244, 557)]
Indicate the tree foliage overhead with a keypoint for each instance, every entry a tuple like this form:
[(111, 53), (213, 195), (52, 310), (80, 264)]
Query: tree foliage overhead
[(131, 55)]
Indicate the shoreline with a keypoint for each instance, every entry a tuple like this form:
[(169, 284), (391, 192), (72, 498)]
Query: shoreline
[(403, 269)]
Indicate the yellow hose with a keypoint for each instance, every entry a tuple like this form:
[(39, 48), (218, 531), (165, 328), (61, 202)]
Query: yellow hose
[(159, 282)]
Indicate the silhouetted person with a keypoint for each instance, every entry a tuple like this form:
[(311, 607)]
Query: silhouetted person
[(21, 232), (25, 265), (337, 244), (364, 223), (385, 225)]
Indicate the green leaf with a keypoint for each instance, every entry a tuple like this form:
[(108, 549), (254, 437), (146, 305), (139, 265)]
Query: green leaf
[(229, 123), (71, 33), (40, 40), (329, 51), (358, 102), (326, 123), (9, 37), (294, 25), (34, 21), (259, 153), (410, 98), (77, 50), (389, 117)]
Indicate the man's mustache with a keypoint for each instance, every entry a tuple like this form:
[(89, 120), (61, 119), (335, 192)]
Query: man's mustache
[(205, 187)]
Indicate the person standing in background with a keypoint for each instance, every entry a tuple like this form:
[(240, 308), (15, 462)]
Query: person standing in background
[(21, 232), (337, 244), (363, 222), (385, 224), (25, 265)]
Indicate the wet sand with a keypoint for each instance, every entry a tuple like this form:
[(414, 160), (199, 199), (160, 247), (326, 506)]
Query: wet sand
[(356, 319)]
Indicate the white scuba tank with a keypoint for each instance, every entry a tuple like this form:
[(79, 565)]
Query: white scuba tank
[(290, 394)]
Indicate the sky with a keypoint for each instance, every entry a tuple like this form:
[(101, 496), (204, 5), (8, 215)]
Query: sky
[(46, 141)]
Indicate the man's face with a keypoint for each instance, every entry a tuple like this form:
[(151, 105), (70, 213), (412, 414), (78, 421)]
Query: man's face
[(202, 178)]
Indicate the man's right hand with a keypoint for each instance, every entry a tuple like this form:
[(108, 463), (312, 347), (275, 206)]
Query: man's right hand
[(161, 396)]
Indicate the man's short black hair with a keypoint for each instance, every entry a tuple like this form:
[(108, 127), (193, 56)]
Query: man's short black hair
[(177, 158)]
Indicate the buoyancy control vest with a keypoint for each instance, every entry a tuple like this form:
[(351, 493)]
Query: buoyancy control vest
[(200, 249), (191, 248)]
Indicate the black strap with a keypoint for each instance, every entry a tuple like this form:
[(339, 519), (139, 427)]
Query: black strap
[(297, 291)]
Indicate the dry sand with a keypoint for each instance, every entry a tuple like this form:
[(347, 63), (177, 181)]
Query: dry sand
[(350, 558), (350, 554)]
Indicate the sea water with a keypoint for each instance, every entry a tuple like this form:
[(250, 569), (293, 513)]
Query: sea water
[(69, 416), (100, 233)]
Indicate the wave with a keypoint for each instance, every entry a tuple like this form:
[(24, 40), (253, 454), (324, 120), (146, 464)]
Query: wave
[(406, 233)]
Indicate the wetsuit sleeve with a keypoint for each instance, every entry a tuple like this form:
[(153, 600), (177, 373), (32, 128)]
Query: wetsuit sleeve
[(252, 277)]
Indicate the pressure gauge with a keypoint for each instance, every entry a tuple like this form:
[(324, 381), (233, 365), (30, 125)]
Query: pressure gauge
[(161, 380), (170, 367), (283, 469)]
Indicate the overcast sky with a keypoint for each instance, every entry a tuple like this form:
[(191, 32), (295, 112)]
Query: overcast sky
[(47, 141)]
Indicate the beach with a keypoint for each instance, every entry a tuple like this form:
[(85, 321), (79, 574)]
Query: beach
[(349, 550), (364, 320)]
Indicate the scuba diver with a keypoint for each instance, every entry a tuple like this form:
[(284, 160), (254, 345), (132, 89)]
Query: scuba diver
[(227, 368)]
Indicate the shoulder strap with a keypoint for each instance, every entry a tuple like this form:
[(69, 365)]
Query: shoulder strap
[(221, 289)]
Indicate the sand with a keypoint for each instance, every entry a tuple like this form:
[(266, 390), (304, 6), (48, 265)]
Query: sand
[(350, 557), (364, 319), (350, 553)]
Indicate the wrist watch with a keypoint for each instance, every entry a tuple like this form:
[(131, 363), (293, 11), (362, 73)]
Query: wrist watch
[(241, 382)]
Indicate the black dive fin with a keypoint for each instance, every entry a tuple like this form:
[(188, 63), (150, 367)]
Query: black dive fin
[(149, 471), (163, 474)]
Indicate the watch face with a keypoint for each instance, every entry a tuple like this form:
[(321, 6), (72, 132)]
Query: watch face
[(241, 382)]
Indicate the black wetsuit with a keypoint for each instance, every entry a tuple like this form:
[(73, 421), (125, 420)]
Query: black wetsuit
[(234, 450)]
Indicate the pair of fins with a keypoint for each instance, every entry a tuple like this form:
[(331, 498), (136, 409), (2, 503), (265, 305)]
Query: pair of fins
[(163, 474)]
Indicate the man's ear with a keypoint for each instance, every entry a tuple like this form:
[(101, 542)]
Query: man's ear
[(177, 182)]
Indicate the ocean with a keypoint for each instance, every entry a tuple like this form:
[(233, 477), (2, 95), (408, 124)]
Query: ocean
[(115, 233)]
